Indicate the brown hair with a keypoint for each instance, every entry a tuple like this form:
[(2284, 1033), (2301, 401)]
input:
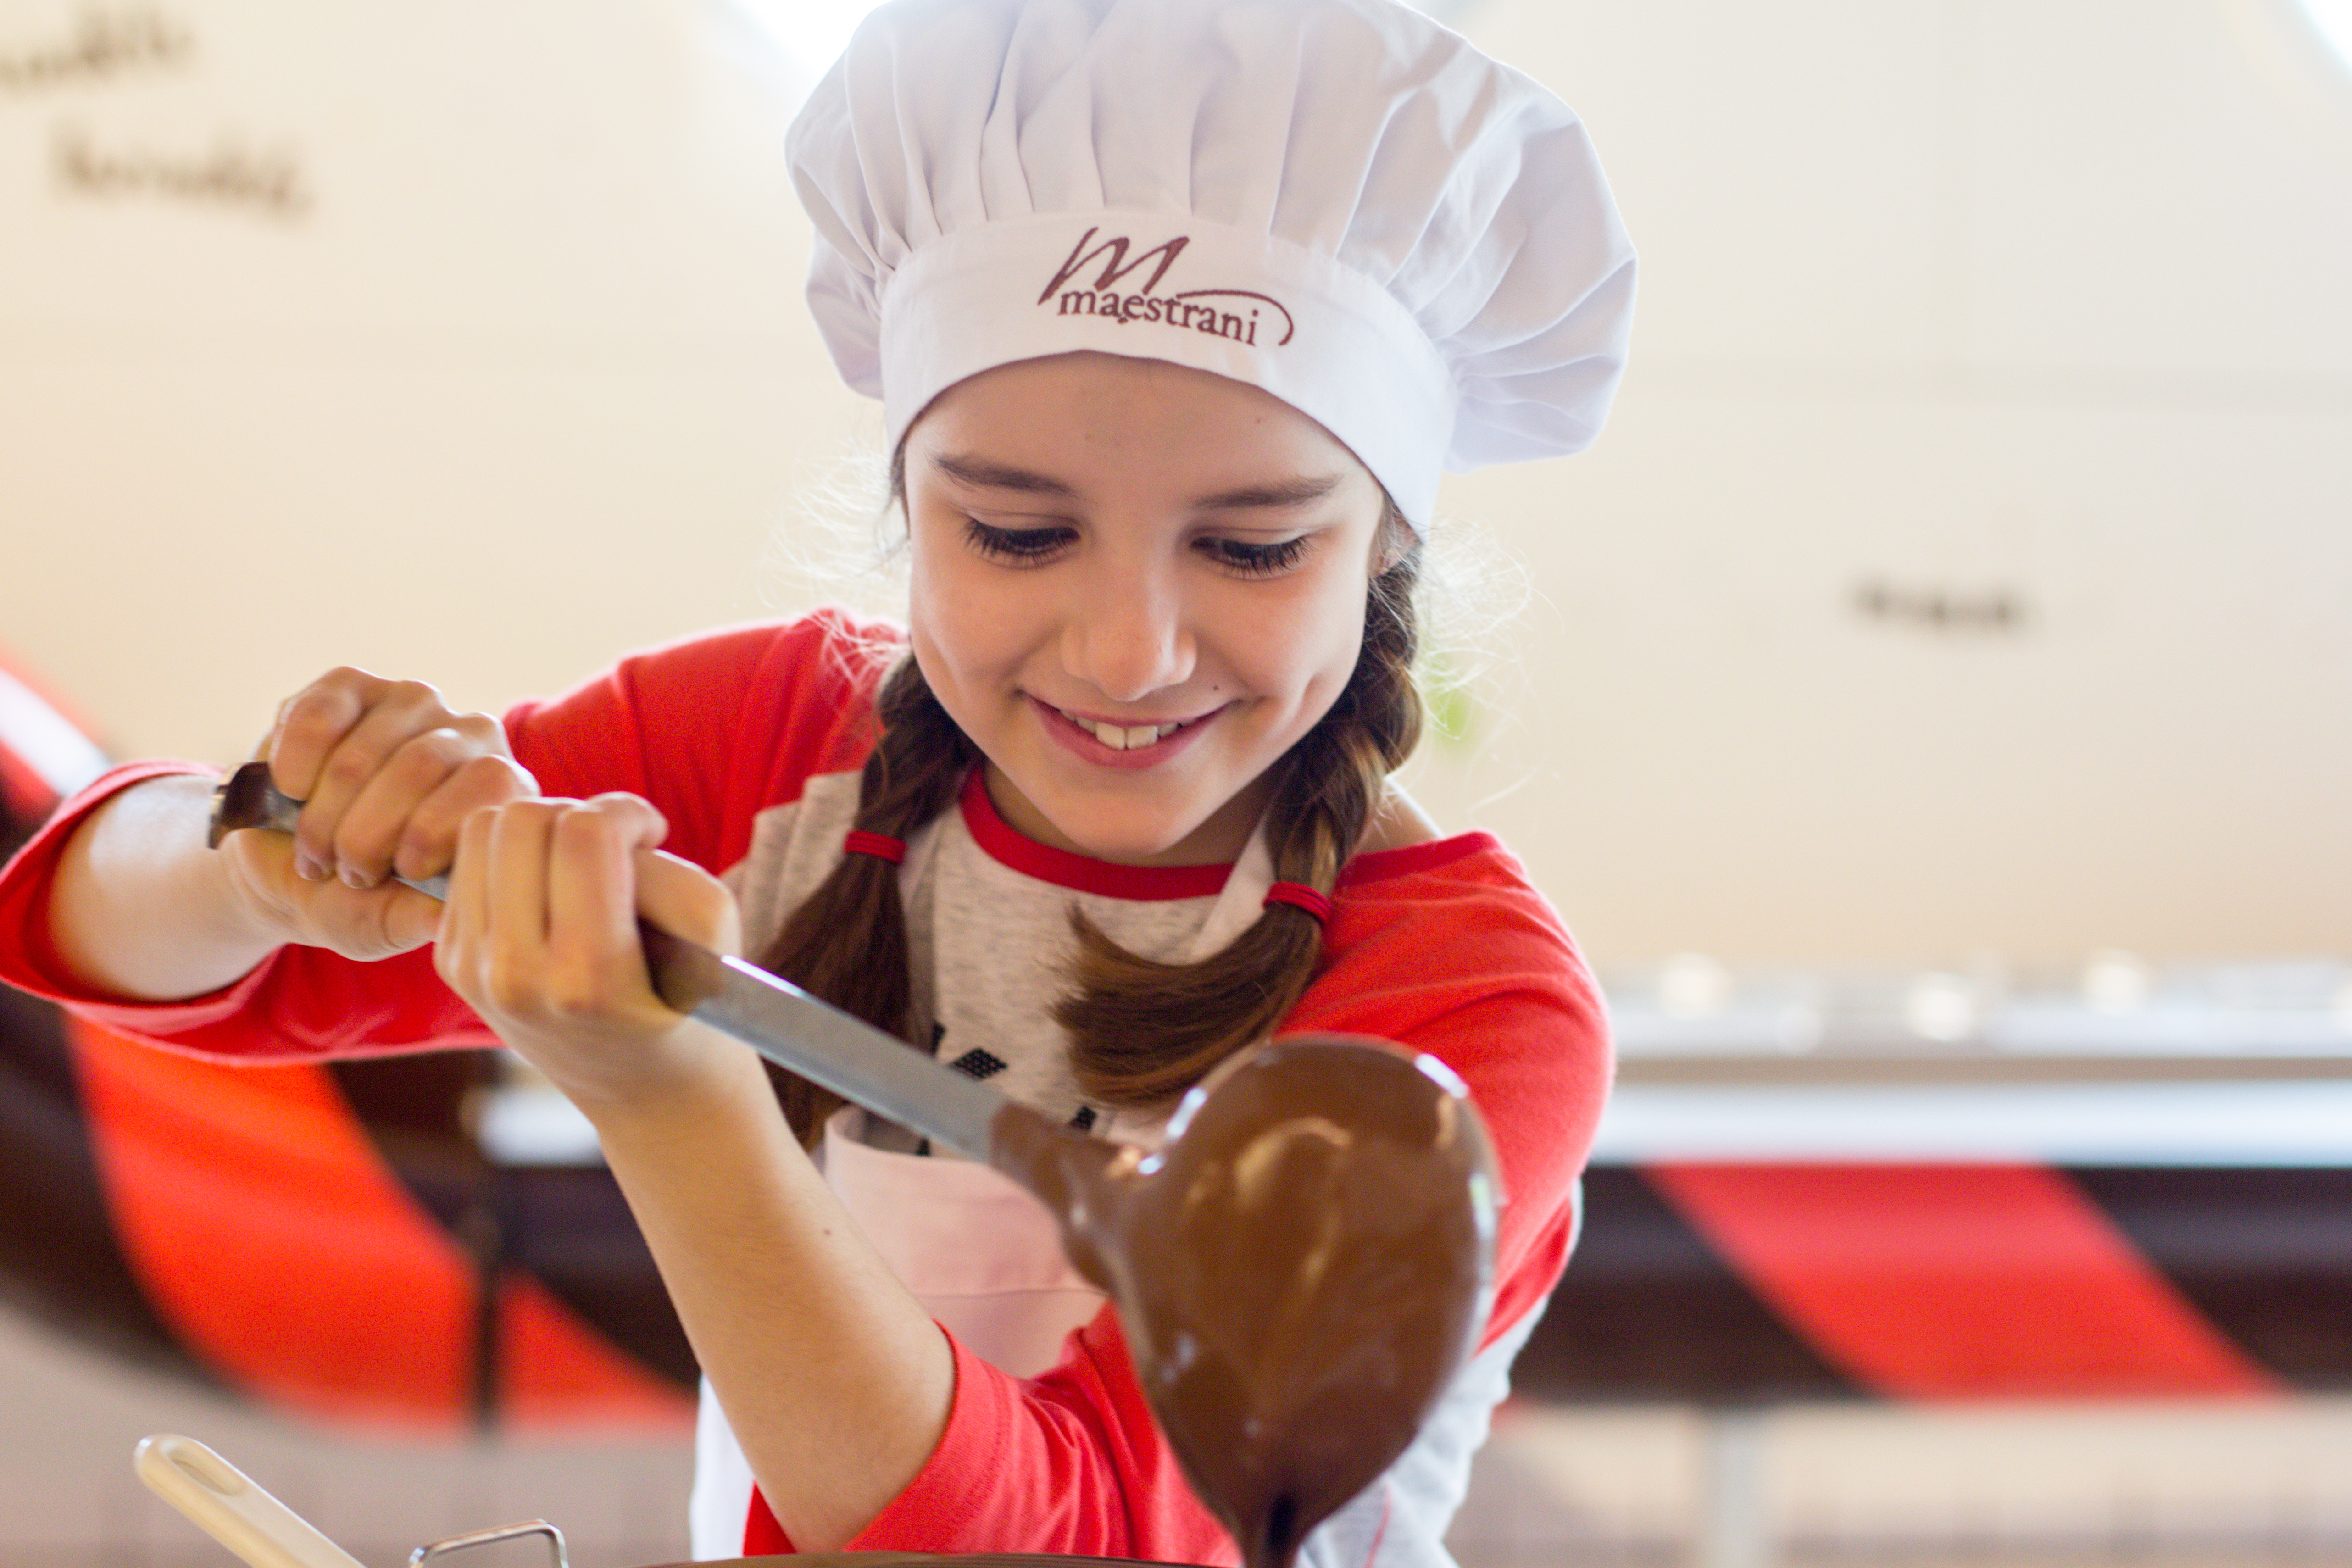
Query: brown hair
[(1141, 1031)]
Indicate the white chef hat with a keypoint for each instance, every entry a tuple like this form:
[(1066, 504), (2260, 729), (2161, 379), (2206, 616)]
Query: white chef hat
[(1337, 201)]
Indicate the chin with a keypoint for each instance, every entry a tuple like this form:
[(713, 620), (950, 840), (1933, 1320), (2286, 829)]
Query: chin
[(1141, 845), (1135, 837)]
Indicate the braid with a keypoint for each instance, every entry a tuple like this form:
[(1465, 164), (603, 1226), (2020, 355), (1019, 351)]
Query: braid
[(1142, 1031), (846, 942)]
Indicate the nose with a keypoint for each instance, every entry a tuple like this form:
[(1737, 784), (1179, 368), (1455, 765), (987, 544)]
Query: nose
[(1125, 633)]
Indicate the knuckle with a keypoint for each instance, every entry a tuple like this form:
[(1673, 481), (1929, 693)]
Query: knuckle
[(436, 750), (361, 847), (482, 729), (581, 986), (426, 759), (303, 718), (640, 815), (422, 848), (582, 823), (380, 927), (572, 999), (492, 777), (338, 689), (508, 992), (349, 769), (307, 719)]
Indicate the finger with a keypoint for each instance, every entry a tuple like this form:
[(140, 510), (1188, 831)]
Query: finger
[(684, 899), (396, 713), (457, 954), (384, 818), (368, 923), (411, 919), (311, 723), (307, 727), (429, 843), (593, 949), (514, 934)]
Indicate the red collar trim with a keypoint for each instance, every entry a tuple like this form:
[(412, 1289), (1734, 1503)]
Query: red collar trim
[(1007, 847)]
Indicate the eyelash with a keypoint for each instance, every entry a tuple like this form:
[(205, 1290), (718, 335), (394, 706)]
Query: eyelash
[(1034, 546), (1256, 560), (1015, 546)]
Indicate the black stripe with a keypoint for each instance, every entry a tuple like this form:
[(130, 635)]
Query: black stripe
[(1646, 1312), (2265, 1255), (567, 1226), (59, 1261)]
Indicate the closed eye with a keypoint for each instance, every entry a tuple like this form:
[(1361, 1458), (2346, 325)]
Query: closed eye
[(1247, 560), (1016, 546)]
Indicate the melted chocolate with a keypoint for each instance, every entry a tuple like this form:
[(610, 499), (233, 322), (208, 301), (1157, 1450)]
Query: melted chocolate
[(1300, 1271)]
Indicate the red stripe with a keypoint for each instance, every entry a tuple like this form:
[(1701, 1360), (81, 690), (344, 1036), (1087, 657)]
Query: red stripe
[(1959, 1281), (558, 1372), (268, 1235)]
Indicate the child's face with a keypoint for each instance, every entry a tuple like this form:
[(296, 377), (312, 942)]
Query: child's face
[(1108, 542)]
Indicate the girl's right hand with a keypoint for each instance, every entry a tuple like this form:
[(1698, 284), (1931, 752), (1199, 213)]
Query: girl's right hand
[(387, 773)]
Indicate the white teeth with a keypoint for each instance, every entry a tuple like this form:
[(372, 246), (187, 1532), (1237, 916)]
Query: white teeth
[(1122, 737)]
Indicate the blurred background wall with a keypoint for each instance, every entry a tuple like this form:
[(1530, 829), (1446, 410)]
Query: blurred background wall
[(1962, 572)]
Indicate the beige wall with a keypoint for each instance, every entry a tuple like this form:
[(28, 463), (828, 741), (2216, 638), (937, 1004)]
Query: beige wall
[(1989, 301)]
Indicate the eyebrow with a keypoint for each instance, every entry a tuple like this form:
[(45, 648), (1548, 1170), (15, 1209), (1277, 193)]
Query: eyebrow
[(988, 475)]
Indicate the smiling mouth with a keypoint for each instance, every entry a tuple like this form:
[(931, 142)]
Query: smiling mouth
[(1126, 737)]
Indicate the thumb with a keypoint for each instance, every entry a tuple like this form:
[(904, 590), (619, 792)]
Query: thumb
[(685, 900), (411, 919)]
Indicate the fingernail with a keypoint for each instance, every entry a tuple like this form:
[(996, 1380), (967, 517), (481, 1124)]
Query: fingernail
[(309, 869), (354, 879)]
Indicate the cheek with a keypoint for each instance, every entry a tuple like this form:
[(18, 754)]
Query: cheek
[(1307, 666), (933, 597), (964, 637)]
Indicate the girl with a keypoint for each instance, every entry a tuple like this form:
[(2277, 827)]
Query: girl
[(1176, 309)]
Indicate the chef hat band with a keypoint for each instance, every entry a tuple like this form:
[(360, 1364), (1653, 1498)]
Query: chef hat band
[(1326, 341), (1336, 200)]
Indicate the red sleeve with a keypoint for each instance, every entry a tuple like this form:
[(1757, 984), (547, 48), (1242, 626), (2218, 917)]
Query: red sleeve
[(1069, 1463), (714, 730), (711, 730)]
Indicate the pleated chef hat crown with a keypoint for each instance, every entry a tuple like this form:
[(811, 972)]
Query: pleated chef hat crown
[(1337, 201)]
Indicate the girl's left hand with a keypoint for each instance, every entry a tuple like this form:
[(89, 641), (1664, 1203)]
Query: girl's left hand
[(540, 936)]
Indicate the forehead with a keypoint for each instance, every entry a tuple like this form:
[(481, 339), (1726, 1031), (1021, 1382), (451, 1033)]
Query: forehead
[(1092, 420)]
